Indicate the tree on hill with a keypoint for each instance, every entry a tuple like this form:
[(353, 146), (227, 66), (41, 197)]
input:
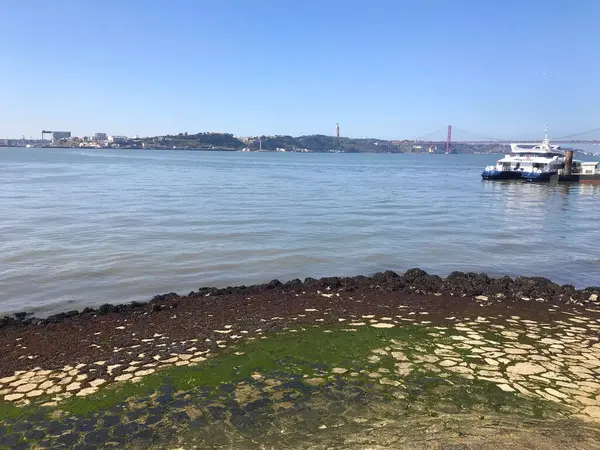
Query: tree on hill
[(223, 140), (275, 142)]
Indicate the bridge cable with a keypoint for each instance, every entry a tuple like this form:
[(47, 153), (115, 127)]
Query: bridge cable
[(577, 134), (487, 138), (421, 138)]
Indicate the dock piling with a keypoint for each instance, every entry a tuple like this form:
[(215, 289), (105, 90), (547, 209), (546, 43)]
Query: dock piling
[(568, 161)]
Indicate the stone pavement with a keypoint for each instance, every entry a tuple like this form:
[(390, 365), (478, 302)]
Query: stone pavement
[(419, 384)]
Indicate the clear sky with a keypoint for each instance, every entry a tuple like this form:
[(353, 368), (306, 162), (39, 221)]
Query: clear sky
[(389, 69)]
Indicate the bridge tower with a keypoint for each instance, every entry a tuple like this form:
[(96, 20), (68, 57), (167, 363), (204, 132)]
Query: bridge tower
[(449, 139)]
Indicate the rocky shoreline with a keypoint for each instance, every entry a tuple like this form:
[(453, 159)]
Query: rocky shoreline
[(226, 357), (91, 335), (414, 281)]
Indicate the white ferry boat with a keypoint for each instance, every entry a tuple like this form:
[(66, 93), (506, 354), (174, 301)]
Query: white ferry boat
[(530, 162)]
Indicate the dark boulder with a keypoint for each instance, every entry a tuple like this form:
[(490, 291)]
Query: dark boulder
[(295, 284), (331, 282), (204, 291), (385, 277), (165, 297), (429, 283), (273, 284), (414, 274), (535, 287), (591, 294), (107, 308), (466, 284), (311, 284), (56, 318)]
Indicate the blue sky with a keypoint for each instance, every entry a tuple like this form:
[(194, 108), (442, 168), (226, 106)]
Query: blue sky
[(389, 69)]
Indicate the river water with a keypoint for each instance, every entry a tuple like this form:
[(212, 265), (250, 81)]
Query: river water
[(85, 227)]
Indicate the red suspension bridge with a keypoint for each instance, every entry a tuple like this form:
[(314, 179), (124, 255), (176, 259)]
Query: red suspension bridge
[(474, 138)]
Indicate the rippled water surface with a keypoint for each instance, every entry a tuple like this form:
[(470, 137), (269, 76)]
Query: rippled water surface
[(81, 228)]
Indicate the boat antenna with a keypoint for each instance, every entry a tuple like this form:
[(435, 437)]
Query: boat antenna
[(546, 141)]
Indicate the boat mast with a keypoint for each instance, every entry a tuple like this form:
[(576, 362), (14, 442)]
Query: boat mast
[(546, 140)]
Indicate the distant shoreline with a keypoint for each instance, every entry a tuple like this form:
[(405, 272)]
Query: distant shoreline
[(230, 150), (234, 150)]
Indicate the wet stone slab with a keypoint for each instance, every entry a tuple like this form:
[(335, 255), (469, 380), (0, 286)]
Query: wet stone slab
[(327, 386), (155, 421)]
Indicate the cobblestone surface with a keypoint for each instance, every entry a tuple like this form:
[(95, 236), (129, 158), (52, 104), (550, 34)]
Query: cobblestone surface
[(482, 373)]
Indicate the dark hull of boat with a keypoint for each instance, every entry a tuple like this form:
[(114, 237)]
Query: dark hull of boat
[(500, 175), (539, 177)]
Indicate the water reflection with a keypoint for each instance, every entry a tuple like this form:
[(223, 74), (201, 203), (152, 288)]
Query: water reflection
[(587, 189), (536, 222), (521, 201)]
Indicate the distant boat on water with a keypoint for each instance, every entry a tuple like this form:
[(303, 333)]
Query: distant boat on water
[(531, 162), (542, 162)]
